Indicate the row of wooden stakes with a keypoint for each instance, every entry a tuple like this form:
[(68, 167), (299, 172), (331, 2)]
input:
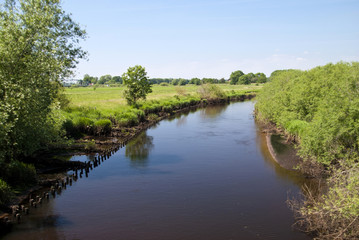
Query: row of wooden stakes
[(18, 211)]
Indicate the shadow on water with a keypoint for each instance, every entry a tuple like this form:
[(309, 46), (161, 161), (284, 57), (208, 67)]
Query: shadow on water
[(213, 111)]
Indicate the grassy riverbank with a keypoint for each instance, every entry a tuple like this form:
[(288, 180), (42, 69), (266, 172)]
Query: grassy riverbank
[(319, 111), (96, 111)]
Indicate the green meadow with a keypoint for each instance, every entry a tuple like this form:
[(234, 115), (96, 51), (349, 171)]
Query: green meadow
[(96, 111), (110, 98)]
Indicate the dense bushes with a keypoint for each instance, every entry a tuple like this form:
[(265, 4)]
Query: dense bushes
[(319, 108)]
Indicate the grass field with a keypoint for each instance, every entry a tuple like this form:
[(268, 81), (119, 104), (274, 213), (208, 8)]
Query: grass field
[(110, 98)]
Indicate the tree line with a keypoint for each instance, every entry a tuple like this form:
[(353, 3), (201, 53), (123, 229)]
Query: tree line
[(236, 77)]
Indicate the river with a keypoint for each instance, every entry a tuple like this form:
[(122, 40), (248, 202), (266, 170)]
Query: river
[(202, 175)]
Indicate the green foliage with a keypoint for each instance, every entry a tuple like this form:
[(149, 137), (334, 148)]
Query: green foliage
[(195, 81), (321, 108), (104, 79), (102, 127), (211, 91), (38, 47), (83, 124), (137, 84), (296, 127), (5, 192), (235, 77), (18, 173), (244, 79), (326, 98), (334, 215)]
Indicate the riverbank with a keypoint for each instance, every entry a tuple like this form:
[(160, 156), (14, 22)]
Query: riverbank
[(283, 153)]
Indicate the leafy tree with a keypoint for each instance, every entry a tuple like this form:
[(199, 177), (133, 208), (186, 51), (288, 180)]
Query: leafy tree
[(252, 77), (175, 82), (89, 79), (137, 83), (244, 79), (195, 81), (235, 77), (39, 46), (182, 82), (116, 79), (261, 78), (104, 79)]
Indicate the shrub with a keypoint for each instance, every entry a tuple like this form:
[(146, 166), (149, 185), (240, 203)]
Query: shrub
[(334, 215), (210, 91), (5, 192), (102, 126), (20, 174), (152, 117), (83, 124), (163, 84)]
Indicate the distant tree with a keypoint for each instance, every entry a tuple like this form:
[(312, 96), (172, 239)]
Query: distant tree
[(222, 80), (235, 77), (88, 79), (183, 82), (252, 77), (104, 79), (209, 80), (116, 79), (261, 78), (137, 83), (195, 81), (175, 82), (244, 79)]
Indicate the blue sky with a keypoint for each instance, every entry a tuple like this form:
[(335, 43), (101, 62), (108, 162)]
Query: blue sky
[(212, 38)]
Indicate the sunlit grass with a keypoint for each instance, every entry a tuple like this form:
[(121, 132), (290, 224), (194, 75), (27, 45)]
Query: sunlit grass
[(111, 98)]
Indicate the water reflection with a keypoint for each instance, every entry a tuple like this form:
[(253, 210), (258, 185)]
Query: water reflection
[(138, 149), (213, 111), (182, 121), (314, 185)]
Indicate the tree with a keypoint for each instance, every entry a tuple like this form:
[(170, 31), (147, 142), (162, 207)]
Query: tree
[(235, 76), (39, 46), (244, 79), (261, 78), (137, 83), (104, 79), (116, 79), (195, 81)]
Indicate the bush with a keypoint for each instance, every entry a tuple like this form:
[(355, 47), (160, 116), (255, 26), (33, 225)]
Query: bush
[(152, 117), (102, 126), (83, 124), (5, 192), (20, 174), (210, 91), (334, 215), (163, 84)]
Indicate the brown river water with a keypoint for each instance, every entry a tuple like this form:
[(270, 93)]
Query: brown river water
[(202, 175)]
